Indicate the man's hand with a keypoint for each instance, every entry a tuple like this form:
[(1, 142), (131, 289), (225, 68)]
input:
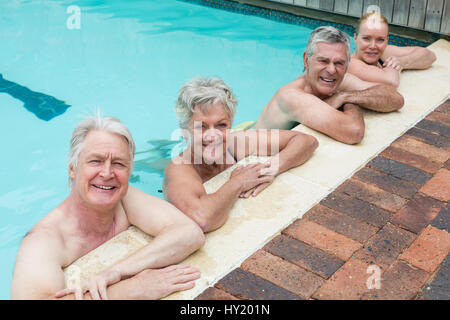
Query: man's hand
[(159, 283), (96, 285), (149, 284), (337, 100)]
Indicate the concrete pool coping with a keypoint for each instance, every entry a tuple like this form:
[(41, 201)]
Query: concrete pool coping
[(253, 223)]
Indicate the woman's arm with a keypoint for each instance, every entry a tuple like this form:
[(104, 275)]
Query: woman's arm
[(288, 149), (411, 57), (363, 71), (183, 187)]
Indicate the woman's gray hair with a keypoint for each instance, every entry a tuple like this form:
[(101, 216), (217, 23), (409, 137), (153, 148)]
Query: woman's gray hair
[(98, 123), (203, 93), (327, 34)]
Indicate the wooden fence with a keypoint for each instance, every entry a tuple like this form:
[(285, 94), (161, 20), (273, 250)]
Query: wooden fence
[(428, 15)]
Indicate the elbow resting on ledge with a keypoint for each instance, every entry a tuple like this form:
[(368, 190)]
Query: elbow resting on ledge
[(314, 143), (396, 99), (399, 101), (198, 237), (355, 135), (202, 220)]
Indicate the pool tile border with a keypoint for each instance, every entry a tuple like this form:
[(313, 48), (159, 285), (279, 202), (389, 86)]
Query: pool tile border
[(289, 18)]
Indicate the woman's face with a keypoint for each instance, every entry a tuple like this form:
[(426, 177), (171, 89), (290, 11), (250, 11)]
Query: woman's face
[(371, 40), (209, 130)]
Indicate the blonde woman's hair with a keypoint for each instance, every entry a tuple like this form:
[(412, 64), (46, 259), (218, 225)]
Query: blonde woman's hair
[(373, 15)]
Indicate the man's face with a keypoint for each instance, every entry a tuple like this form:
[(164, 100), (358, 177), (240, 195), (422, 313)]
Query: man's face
[(325, 70), (101, 178)]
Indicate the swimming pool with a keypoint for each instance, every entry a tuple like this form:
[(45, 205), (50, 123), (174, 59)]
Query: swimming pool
[(128, 58)]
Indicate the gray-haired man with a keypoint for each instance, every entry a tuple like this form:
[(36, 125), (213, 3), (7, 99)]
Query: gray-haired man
[(99, 206), (314, 99)]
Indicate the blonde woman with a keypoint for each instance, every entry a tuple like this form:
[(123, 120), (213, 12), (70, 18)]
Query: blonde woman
[(376, 61)]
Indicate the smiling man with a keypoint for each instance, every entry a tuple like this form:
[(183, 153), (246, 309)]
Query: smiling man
[(100, 205), (325, 97)]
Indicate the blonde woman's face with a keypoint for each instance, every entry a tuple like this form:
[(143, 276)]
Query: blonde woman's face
[(371, 40)]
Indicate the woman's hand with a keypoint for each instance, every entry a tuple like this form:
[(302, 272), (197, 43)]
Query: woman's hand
[(394, 63), (96, 285), (255, 177)]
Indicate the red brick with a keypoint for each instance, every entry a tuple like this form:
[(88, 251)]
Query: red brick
[(429, 137), (417, 213), (444, 108), (303, 255), (429, 249), (357, 208), (400, 170), (341, 223), (438, 187), (282, 273), (348, 283), (384, 247), (434, 127), (442, 220), (411, 159), (323, 238), (447, 164), (415, 146), (372, 194), (400, 282), (387, 182), (438, 286), (439, 117), (248, 286), (215, 294)]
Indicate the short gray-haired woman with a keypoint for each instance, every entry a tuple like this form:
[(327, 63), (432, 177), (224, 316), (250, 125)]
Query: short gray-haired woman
[(205, 108)]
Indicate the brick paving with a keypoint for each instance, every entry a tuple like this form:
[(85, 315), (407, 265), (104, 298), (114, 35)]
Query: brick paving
[(382, 234)]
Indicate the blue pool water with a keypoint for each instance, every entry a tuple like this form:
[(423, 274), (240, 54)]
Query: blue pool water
[(128, 58)]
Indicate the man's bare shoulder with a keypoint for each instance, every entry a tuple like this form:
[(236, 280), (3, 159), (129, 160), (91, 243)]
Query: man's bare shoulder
[(298, 85), (48, 227), (38, 270), (292, 93), (45, 236)]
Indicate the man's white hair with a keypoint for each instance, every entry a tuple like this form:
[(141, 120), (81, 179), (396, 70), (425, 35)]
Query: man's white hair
[(202, 93), (98, 123), (327, 34)]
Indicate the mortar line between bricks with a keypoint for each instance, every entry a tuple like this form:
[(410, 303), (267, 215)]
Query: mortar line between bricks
[(357, 218), (317, 274)]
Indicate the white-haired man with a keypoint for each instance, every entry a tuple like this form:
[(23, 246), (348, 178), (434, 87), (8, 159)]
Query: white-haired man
[(99, 206), (314, 99)]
